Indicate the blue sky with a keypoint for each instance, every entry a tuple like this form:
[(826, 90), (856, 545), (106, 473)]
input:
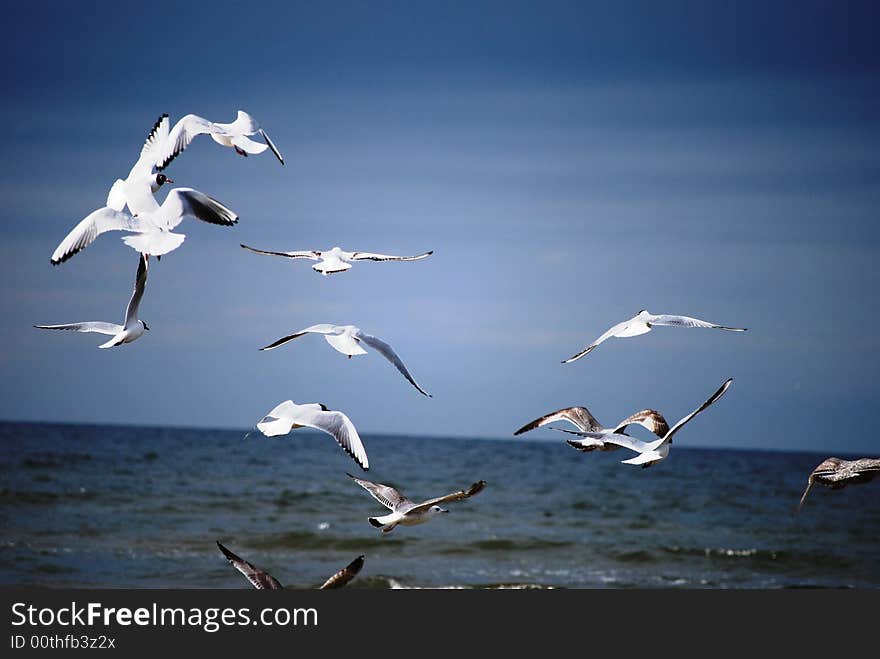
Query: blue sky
[(569, 163)]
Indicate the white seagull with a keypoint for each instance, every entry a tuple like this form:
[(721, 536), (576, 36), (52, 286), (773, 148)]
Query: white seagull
[(657, 450), (406, 512), (234, 135), (262, 580), (347, 339), (336, 260), (152, 229), (289, 416), (642, 323), (581, 419), (133, 328)]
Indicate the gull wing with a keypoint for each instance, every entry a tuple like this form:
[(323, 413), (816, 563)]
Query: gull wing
[(318, 329), (344, 575), (260, 579), (186, 202), (110, 329), (476, 488), (336, 424), (388, 353), (180, 137), (650, 419), (617, 330), (306, 254), (668, 436), (369, 256), (388, 496), (686, 321), (579, 417), (90, 227), (140, 283)]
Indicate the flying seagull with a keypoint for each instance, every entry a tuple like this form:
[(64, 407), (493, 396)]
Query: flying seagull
[(657, 450), (642, 323), (289, 416), (234, 135), (133, 328), (406, 512), (581, 419), (264, 581), (836, 473), (336, 260), (347, 339), (152, 229)]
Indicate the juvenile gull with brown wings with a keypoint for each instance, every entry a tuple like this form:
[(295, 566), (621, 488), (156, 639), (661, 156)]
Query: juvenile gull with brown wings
[(835, 473), (336, 260), (581, 419), (406, 512), (642, 323), (262, 580), (651, 452), (347, 339)]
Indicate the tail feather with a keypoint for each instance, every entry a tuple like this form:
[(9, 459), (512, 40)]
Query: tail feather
[(154, 243)]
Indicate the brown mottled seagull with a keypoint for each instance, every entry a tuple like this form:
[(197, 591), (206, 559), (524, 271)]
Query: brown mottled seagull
[(406, 512), (581, 419), (262, 580), (835, 473)]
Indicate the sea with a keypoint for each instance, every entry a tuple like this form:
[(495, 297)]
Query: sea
[(139, 507)]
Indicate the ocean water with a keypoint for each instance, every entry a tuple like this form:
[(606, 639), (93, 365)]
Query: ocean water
[(101, 506)]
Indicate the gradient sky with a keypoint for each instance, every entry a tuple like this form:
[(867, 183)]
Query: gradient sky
[(569, 163)]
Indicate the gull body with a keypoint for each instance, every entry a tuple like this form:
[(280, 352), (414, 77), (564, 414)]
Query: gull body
[(152, 229), (642, 323), (406, 512), (348, 339), (262, 580), (835, 473), (288, 416), (584, 421), (336, 259), (132, 329), (652, 452)]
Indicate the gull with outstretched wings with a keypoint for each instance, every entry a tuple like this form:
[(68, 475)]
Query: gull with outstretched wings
[(336, 260), (835, 473), (262, 580), (642, 323), (584, 421), (132, 329), (657, 450), (406, 512), (348, 339), (288, 416)]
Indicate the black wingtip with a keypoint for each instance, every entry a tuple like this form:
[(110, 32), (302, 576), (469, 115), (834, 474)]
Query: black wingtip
[(374, 522)]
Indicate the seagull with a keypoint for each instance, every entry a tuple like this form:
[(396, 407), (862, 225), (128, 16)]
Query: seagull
[(581, 419), (657, 450), (289, 416), (336, 260), (836, 473), (144, 179), (642, 323), (347, 339), (234, 135), (152, 228), (133, 328), (264, 581), (406, 512)]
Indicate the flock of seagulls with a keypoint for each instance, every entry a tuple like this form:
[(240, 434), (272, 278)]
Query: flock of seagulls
[(132, 207)]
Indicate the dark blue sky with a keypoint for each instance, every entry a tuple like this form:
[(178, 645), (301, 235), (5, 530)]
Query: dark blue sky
[(569, 164)]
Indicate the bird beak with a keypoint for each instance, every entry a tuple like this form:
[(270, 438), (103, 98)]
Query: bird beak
[(444, 511), (169, 180)]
